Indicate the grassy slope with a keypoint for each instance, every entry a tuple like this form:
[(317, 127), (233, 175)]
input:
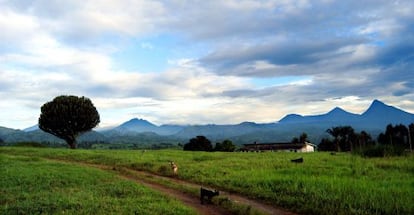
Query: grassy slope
[(323, 184), (29, 185)]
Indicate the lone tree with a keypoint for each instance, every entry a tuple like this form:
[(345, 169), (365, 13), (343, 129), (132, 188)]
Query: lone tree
[(67, 117)]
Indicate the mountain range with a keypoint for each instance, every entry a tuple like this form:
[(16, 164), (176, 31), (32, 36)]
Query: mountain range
[(140, 131)]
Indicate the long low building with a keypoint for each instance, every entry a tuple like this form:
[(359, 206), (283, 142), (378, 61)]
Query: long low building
[(286, 147)]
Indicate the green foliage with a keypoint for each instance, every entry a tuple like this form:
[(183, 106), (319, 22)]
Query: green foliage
[(324, 184), (225, 146), (67, 117), (199, 143), (398, 136), (344, 137), (29, 185), (326, 145)]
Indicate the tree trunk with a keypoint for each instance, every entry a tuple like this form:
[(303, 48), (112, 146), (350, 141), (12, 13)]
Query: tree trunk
[(71, 141)]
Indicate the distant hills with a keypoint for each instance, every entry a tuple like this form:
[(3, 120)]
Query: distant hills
[(140, 125), (140, 131), (377, 116)]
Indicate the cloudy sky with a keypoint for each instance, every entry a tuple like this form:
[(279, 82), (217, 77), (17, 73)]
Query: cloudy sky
[(200, 62)]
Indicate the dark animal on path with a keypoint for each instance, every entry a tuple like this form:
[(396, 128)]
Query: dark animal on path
[(207, 193), (299, 160)]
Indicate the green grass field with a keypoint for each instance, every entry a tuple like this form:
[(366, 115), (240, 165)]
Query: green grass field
[(29, 185), (323, 184)]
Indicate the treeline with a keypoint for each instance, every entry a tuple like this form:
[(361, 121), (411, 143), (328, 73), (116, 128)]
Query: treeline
[(393, 141), (95, 145), (201, 143), (48, 144)]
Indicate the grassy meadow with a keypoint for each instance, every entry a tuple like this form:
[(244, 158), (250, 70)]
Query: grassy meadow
[(323, 184), (30, 185)]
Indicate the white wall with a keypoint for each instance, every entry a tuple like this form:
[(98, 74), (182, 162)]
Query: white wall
[(308, 148)]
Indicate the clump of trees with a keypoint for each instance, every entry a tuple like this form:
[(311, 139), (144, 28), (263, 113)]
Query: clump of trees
[(201, 143), (67, 117), (399, 136), (225, 146), (393, 141), (345, 139)]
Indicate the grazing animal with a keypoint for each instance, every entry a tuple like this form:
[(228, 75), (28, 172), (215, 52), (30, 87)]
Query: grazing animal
[(299, 160), (174, 167), (207, 193)]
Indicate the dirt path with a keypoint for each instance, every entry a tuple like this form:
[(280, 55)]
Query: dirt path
[(187, 198)]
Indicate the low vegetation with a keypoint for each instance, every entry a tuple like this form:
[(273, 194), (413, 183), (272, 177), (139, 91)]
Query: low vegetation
[(31, 185), (325, 183)]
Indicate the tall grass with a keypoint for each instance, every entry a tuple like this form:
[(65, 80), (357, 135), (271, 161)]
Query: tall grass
[(323, 184), (29, 185)]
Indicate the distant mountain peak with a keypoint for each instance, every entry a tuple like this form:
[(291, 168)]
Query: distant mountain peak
[(136, 122), (378, 103), (379, 107), (31, 128), (136, 125), (381, 113), (248, 123), (291, 117), (337, 110)]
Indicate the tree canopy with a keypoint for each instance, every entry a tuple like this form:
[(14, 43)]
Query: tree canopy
[(67, 117), (344, 137), (199, 143), (398, 136), (225, 146)]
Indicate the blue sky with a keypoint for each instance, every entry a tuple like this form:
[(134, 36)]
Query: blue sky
[(201, 62)]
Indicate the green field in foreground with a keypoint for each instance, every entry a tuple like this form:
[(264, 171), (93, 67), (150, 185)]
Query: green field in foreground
[(323, 184), (29, 185)]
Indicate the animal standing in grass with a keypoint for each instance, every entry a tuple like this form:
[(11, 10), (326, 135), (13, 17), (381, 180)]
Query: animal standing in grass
[(207, 193), (174, 167), (299, 160)]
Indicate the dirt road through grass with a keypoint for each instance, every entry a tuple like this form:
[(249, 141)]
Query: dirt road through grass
[(187, 193)]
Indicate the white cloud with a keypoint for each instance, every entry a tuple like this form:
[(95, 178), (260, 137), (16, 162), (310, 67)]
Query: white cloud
[(16, 27), (347, 50)]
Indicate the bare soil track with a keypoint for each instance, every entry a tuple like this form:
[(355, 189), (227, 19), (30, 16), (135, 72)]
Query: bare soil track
[(186, 198)]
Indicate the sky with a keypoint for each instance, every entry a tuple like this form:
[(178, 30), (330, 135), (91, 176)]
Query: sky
[(205, 62)]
